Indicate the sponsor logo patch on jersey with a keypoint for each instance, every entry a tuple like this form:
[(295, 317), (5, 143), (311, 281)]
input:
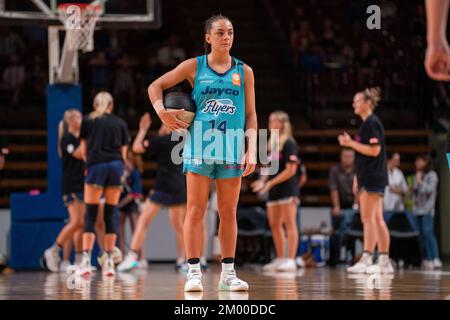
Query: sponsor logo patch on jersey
[(236, 77), (207, 81), (217, 106)]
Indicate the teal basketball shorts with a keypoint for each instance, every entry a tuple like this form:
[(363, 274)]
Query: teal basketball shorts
[(213, 170)]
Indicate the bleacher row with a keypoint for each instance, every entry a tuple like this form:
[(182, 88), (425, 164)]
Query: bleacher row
[(26, 167)]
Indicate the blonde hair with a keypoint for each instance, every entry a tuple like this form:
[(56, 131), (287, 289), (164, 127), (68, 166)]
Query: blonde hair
[(285, 132), (373, 95), (102, 101), (63, 126)]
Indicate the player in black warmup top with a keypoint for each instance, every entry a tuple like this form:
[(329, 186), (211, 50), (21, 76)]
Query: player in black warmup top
[(169, 190), (104, 140), (370, 182), (72, 183)]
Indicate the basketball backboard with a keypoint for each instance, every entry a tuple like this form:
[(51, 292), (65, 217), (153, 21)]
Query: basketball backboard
[(118, 14)]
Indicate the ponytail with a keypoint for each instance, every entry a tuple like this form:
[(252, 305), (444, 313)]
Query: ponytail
[(63, 126), (102, 101), (372, 94)]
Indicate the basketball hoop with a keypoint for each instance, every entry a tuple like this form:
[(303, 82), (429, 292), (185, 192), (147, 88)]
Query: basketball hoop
[(79, 20)]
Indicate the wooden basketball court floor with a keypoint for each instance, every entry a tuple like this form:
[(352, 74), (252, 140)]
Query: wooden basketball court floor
[(161, 282)]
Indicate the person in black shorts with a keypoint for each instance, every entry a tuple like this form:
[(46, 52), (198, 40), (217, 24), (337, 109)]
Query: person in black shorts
[(283, 191), (104, 140), (72, 185), (370, 181), (169, 191)]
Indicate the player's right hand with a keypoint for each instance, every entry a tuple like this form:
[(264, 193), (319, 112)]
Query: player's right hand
[(145, 122), (437, 61), (169, 118)]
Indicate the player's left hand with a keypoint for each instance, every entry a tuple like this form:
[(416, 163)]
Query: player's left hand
[(250, 165)]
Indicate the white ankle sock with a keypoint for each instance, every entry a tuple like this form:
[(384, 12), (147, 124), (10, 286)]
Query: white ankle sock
[(227, 267), (367, 257), (194, 266), (383, 259)]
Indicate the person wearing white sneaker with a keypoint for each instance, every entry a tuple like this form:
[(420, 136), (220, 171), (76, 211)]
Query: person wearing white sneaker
[(194, 276), (371, 175), (169, 190), (129, 263), (222, 79), (283, 191), (85, 265), (437, 263), (228, 279), (361, 266), (104, 140), (424, 192), (108, 267), (383, 266), (288, 265), (71, 188), (273, 265)]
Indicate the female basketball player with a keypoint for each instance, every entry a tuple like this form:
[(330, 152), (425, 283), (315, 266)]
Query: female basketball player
[(371, 180), (223, 89), (104, 140), (283, 193), (131, 196), (72, 187), (169, 191)]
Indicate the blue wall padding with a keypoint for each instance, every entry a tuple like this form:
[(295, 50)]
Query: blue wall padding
[(36, 220)]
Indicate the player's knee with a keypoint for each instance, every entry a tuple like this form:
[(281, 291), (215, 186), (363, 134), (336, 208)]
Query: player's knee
[(109, 219), (90, 217), (196, 212)]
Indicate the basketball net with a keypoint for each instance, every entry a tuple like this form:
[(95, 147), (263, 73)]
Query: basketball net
[(79, 21)]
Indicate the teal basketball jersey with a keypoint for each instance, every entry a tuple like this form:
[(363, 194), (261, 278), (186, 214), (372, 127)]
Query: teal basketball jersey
[(217, 131)]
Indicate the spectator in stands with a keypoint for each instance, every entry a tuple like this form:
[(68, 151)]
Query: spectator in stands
[(100, 72), (312, 59), (171, 53), (396, 190), (343, 199), (10, 44), (302, 38), (14, 79), (328, 37), (302, 177), (4, 151), (150, 73), (124, 86), (365, 60), (38, 77), (418, 27), (424, 201)]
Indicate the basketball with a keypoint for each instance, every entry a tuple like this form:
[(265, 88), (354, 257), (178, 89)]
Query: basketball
[(181, 100)]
